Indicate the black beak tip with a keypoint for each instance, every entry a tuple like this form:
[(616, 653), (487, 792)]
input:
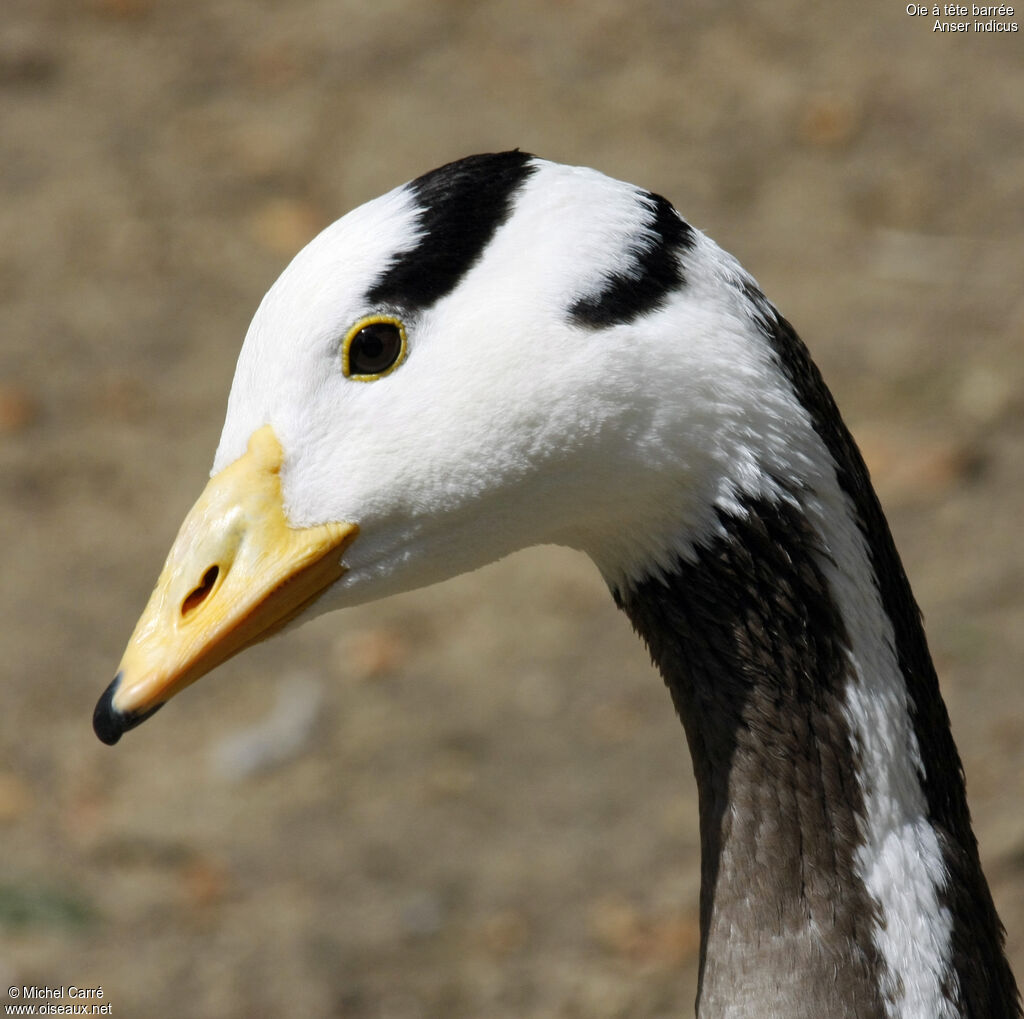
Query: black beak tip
[(108, 723)]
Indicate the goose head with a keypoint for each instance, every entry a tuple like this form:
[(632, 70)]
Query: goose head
[(504, 352)]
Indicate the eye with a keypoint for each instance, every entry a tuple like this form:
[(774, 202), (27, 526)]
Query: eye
[(373, 347)]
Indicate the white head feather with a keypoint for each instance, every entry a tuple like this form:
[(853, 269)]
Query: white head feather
[(509, 423)]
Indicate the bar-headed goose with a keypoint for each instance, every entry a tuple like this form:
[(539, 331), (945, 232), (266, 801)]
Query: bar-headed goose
[(508, 352)]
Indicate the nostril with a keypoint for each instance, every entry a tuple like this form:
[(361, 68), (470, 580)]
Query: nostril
[(196, 598)]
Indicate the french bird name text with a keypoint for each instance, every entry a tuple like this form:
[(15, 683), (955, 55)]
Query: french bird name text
[(975, 11)]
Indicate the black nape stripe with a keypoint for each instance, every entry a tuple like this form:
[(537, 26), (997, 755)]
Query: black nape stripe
[(461, 204), (986, 984), (656, 272)]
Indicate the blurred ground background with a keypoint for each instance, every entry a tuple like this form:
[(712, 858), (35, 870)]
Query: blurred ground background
[(473, 800)]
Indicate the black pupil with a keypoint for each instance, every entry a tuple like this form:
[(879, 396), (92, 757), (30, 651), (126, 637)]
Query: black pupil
[(374, 349)]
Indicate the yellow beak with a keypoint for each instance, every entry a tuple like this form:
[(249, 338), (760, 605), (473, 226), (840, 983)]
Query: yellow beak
[(237, 573)]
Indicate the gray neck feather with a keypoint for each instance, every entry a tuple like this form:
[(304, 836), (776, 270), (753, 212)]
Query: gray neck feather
[(752, 649)]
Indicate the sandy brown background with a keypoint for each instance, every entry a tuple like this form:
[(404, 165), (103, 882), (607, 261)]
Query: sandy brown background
[(473, 800)]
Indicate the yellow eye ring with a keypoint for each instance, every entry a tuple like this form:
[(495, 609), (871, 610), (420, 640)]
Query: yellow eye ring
[(374, 347)]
